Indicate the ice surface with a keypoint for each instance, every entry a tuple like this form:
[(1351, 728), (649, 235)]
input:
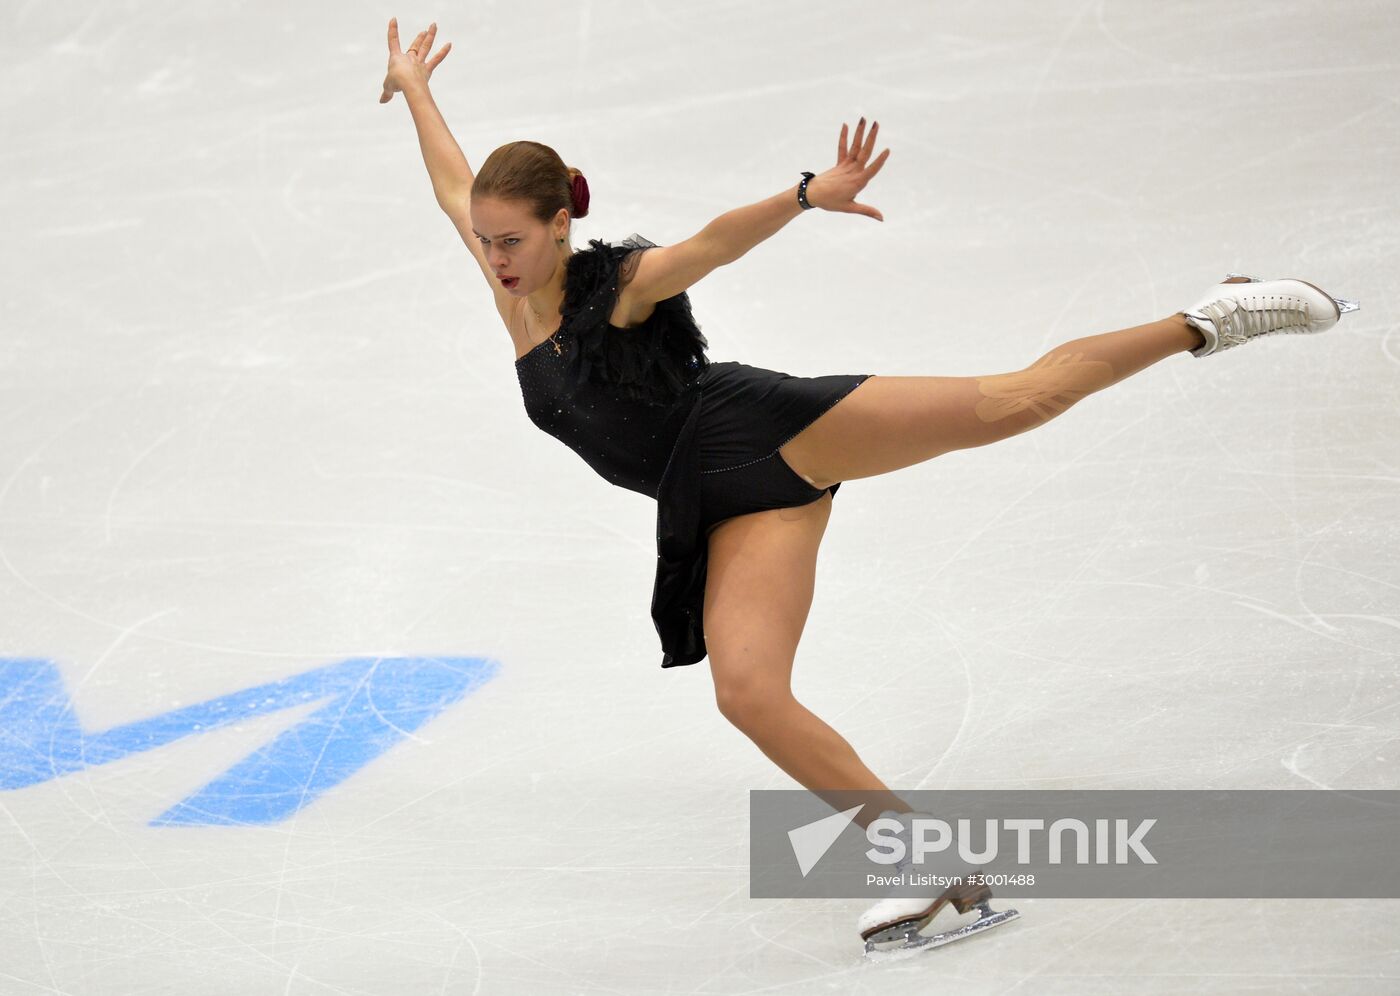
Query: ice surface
[(260, 420)]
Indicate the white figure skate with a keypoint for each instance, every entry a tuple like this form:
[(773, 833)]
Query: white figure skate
[(892, 926), (1244, 308)]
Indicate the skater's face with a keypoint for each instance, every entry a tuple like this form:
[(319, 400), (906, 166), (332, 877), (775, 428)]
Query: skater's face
[(517, 245)]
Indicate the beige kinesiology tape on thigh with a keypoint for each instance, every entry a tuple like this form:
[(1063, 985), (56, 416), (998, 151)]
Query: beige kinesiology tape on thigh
[(1047, 387)]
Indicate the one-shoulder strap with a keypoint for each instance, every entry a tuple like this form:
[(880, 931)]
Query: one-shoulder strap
[(628, 269)]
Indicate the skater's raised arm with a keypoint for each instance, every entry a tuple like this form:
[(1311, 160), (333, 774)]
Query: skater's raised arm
[(669, 270), (452, 177), (408, 74), (738, 231)]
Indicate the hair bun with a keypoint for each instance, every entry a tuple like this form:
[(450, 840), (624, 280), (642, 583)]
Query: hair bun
[(580, 194)]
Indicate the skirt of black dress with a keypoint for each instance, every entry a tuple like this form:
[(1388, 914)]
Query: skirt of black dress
[(726, 463)]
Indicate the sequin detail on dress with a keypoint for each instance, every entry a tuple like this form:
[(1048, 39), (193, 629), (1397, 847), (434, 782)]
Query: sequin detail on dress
[(613, 395)]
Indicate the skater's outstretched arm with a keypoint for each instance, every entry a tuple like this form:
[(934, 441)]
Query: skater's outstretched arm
[(740, 230), (452, 177), (408, 74), (666, 271)]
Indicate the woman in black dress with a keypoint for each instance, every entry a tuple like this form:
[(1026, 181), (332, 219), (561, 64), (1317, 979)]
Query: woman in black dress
[(744, 462)]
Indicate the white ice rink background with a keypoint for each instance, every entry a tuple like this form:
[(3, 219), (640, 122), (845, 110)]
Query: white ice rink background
[(325, 672)]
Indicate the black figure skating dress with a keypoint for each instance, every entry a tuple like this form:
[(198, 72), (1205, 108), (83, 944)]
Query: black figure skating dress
[(647, 410)]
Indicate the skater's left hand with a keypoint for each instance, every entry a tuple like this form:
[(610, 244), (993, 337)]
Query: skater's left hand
[(413, 66), (836, 189)]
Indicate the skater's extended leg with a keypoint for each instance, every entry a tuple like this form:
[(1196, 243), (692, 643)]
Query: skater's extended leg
[(888, 423), (758, 589)]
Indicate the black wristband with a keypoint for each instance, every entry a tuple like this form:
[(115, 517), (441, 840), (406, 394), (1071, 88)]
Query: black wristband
[(802, 191)]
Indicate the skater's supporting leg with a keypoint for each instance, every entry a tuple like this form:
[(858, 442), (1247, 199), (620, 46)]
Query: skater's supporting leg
[(816, 756), (760, 579), (888, 423)]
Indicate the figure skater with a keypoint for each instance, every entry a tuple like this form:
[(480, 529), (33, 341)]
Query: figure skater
[(744, 462)]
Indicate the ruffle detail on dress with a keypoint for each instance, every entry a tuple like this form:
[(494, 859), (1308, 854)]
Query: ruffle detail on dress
[(652, 363)]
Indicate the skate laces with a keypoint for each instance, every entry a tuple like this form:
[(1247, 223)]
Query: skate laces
[(1237, 320)]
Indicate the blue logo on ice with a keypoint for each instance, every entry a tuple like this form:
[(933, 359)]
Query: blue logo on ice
[(371, 703)]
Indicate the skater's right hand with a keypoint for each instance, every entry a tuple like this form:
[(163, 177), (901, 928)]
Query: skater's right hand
[(836, 189), (407, 68)]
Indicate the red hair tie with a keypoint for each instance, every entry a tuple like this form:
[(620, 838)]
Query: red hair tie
[(580, 193)]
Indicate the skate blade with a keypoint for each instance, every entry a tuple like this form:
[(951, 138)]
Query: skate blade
[(909, 940), (1253, 280), (1343, 305)]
